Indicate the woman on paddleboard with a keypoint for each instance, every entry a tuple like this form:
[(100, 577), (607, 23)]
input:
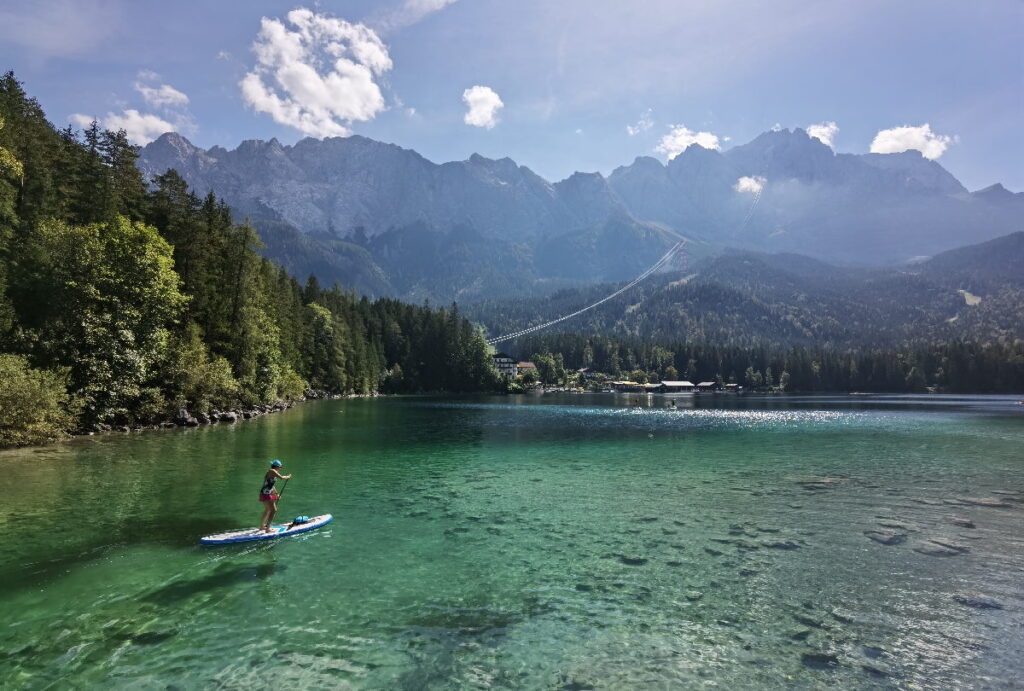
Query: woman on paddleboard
[(269, 495)]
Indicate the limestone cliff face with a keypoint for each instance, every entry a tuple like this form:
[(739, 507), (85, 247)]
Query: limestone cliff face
[(506, 228)]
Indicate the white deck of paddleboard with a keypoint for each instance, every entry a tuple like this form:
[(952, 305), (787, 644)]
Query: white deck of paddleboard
[(276, 531)]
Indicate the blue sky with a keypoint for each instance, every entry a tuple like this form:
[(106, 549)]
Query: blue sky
[(582, 84)]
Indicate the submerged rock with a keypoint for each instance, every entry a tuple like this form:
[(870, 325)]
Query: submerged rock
[(941, 548), (820, 660), (962, 522), (876, 668), (987, 501), (977, 601), (873, 651), (632, 561), (781, 544), (897, 525), (886, 537)]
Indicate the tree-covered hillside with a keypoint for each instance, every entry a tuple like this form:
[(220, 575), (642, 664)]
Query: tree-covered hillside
[(974, 293), (122, 302)]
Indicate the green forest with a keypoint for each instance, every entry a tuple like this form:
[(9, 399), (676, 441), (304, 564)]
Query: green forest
[(954, 367), (124, 300)]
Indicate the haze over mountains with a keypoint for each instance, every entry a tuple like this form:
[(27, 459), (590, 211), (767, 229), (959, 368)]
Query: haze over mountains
[(385, 220)]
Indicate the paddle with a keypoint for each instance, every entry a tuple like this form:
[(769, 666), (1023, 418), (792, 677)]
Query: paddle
[(281, 494)]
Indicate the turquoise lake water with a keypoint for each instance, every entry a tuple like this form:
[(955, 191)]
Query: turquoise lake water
[(550, 542)]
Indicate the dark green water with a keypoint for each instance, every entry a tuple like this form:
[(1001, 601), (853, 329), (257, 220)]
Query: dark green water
[(529, 542)]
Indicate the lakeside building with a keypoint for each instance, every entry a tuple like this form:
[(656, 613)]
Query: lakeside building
[(707, 386), (626, 386), (523, 367), (677, 387), (505, 364)]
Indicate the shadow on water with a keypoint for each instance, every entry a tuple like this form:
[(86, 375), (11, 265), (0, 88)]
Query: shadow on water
[(178, 533), (224, 576)]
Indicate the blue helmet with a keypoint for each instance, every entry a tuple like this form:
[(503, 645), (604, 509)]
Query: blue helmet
[(275, 463)]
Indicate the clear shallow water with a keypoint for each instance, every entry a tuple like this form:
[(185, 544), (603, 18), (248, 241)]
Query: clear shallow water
[(530, 542)]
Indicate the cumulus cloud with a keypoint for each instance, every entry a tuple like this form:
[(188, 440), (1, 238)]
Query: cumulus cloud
[(750, 185), (141, 128), (410, 12), (680, 137), (317, 74), (161, 96), (483, 104), (897, 139), (824, 131), (81, 119), (642, 125)]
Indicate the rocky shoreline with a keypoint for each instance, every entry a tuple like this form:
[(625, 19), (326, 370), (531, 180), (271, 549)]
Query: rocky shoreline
[(184, 418)]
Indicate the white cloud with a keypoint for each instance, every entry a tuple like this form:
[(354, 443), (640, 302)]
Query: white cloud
[(750, 185), (680, 137), (317, 76), (162, 96), (483, 104), (897, 139), (410, 12), (579, 132), (642, 125), (81, 120), (824, 131), (141, 128), (223, 55)]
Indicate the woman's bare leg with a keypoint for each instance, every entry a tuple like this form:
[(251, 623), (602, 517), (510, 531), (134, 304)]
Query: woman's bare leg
[(273, 511), (265, 521)]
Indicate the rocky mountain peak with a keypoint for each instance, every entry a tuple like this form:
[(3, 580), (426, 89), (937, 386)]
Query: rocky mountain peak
[(841, 207), (998, 194)]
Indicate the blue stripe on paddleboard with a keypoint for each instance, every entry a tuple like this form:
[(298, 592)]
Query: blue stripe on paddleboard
[(279, 531)]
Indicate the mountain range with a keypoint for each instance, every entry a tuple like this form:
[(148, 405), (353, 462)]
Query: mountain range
[(385, 220)]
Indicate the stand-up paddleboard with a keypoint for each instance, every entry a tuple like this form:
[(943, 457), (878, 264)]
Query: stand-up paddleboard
[(253, 534)]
